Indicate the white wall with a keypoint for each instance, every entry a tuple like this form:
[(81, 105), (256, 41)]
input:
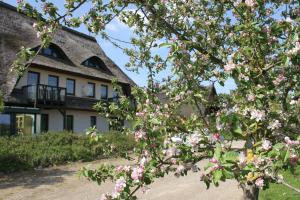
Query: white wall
[(55, 119), (81, 120)]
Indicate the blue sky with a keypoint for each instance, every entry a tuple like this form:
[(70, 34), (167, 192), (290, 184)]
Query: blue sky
[(120, 31)]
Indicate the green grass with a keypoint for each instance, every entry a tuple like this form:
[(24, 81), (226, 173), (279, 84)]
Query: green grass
[(43, 150), (282, 192)]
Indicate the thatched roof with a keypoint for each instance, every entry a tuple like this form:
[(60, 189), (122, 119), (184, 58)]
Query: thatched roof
[(16, 30)]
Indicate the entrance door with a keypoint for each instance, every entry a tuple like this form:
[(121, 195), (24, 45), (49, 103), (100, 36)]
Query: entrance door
[(25, 124)]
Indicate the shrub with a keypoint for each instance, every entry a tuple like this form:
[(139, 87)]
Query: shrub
[(43, 150)]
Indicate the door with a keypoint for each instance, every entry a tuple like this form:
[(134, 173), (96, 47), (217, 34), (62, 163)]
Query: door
[(70, 120), (33, 79), (25, 124), (44, 122), (53, 91)]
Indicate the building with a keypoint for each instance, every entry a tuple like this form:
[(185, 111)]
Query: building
[(61, 84), (188, 109)]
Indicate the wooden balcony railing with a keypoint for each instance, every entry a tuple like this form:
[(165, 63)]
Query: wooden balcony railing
[(45, 94)]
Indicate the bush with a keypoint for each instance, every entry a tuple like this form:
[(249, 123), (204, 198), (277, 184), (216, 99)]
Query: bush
[(43, 150)]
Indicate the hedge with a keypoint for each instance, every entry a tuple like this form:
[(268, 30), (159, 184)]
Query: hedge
[(43, 150)]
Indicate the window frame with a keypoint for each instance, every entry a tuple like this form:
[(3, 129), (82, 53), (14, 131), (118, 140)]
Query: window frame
[(54, 76), (94, 86), (106, 87), (33, 72), (74, 87)]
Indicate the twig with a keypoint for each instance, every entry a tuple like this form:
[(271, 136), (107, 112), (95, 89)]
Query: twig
[(291, 187)]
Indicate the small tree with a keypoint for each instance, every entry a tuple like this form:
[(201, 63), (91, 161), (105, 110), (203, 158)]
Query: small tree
[(254, 42)]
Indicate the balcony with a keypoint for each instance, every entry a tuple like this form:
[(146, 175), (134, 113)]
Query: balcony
[(44, 94)]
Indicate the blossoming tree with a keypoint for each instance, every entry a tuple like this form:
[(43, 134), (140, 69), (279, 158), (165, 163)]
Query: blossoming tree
[(254, 42)]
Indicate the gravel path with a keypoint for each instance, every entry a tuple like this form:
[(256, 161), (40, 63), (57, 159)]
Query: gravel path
[(63, 183)]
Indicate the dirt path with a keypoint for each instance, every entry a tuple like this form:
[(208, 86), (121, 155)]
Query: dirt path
[(63, 183)]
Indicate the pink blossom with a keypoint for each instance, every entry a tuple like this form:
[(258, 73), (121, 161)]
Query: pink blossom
[(266, 145), (34, 25), (242, 159), (294, 159), (237, 2), (279, 79), (216, 136), (229, 66), (250, 3), (216, 167), (172, 151), (19, 1), (291, 142), (259, 183), (295, 50), (243, 77), (213, 160), (38, 34), (250, 97), (120, 184), (173, 161), (119, 168), (179, 170), (137, 173), (140, 134), (140, 114), (193, 139), (143, 161)]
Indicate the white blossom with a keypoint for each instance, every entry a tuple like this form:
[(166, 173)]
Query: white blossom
[(258, 115)]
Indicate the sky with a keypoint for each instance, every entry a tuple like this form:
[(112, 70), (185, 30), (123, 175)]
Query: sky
[(120, 31)]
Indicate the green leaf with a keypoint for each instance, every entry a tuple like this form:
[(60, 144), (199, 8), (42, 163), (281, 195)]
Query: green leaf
[(165, 44), (238, 130), (209, 164), (217, 176), (286, 157), (228, 174), (231, 156), (278, 146), (218, 150)]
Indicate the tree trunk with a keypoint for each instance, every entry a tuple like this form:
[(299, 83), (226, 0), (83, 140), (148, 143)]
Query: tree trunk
[(250, 192)]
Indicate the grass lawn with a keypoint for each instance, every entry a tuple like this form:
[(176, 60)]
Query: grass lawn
[(281, 192)]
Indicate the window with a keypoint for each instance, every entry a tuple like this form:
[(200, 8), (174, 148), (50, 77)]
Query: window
[(104, 91), (54, 52), (69, 125), (95, 62), (33, 78), (5, 124), (91, 90), (93, 121), (44, 122), (70, 86), (53, 81)]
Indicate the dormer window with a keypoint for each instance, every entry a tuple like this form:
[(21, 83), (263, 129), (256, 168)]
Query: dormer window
[(95, 62), (53, 51)]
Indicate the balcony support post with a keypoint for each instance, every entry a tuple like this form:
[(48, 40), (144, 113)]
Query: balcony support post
[(63, 113)]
